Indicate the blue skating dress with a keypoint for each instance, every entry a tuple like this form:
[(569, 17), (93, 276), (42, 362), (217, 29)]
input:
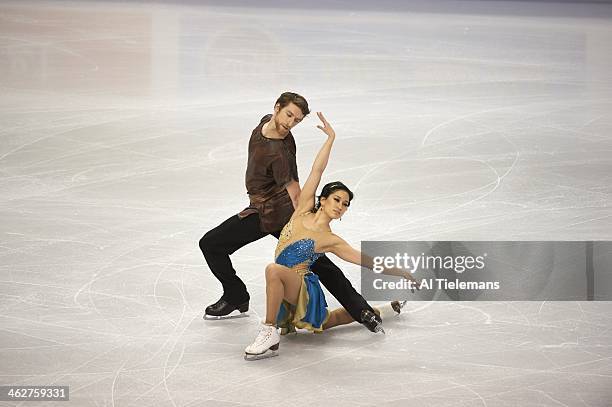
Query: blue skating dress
[(296, 250)]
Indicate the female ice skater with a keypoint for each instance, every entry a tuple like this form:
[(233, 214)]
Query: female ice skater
[(294, 297)]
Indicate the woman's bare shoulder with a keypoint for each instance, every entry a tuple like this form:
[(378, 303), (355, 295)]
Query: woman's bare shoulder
[(329, 240)]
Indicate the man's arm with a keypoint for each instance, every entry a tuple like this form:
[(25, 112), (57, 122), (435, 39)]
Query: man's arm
[(293, 189)]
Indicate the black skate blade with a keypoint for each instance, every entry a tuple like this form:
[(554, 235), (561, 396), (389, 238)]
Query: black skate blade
[(232, 315), (380, 329), (267, 354)]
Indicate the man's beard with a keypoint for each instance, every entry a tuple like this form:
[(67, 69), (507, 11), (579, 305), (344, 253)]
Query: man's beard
[(279, 128)]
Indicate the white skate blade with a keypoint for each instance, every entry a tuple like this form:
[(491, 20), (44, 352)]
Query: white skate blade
[(267, 354), (232, 315)]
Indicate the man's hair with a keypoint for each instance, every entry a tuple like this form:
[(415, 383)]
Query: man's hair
[(298, 100)]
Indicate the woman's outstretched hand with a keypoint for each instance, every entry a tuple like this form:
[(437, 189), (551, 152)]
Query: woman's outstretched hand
[(415, 285), (407, 275), (326, 128)]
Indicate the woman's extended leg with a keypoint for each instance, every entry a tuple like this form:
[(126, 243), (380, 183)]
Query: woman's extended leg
[(281, 283), (341, 316)]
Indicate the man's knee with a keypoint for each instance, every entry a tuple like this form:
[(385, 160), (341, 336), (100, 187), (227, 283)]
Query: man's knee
[(208, 243)]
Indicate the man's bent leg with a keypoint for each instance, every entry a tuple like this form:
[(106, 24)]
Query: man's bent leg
[(340, 287), (219, 243)]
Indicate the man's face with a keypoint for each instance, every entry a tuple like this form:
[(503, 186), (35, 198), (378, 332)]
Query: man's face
[(287, 118)]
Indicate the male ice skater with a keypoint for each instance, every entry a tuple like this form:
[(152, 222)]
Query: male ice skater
[(272, 184)]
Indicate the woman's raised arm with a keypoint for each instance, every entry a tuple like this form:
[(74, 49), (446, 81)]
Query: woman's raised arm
[(307, 195)]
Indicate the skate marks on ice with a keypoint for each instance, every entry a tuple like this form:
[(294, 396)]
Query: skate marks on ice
[(123, 141)]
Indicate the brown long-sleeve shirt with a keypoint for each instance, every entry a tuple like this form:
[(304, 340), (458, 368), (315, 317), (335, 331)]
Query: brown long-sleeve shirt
[(271, 167)]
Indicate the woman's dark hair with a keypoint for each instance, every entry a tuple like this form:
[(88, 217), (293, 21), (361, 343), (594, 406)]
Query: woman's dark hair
[(329, 189), (298, 100)]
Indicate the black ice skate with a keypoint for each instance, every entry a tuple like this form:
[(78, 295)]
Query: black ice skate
[(224, 310), (371, 321)]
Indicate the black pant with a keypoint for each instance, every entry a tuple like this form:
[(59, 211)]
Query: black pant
[(234, 233)]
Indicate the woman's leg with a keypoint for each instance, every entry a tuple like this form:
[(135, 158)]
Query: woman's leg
[(281, 283), (341, 316)]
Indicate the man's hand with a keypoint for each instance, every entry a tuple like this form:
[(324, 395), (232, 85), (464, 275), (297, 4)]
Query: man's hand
[(326, 128)]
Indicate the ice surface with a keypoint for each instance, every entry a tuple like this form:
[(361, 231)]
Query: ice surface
[(124, 130)]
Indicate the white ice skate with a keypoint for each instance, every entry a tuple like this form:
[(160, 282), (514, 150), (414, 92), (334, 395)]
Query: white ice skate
[(397, 306), (265, 345)]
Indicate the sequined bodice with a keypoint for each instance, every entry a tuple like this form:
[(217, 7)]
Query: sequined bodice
[(297, 254)]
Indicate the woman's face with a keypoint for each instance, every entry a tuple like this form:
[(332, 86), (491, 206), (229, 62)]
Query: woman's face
[(335, 204)]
